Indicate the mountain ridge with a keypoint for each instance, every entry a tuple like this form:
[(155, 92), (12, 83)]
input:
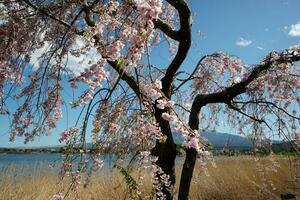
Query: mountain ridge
[(218, 140)]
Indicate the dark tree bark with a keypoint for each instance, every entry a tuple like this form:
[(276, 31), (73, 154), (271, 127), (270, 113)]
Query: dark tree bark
[(190, 159), (187, 174), (166, 153)]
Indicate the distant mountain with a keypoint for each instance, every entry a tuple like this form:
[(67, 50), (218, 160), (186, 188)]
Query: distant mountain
[(219, 140)]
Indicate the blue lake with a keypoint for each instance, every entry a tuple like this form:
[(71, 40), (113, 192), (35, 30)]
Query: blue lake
[(38, 162), (29, 159)]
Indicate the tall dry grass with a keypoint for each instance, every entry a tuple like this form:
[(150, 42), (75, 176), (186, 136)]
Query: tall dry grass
[(233, 178)]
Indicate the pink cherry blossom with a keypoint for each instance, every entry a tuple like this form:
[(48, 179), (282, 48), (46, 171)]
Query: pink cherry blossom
[(168, 117)]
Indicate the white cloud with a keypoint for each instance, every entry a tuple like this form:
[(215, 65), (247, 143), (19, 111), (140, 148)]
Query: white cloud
[(243, 42), (78, 64), (294, 30), (74, 64), (38, 53)]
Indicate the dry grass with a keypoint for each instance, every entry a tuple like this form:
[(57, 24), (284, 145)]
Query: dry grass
[(233, 178)]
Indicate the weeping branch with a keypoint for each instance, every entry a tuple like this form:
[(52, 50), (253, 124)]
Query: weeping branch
[(226, 96), (247, 115), (267, 103), (46, 13)]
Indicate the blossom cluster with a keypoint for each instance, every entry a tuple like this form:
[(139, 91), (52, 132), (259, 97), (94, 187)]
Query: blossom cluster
[(149, 10), (160, 178), (145, 131), (153, 92), (93, 77), (132, 36), (66, 135), (52, 105), (126, 47), (220, 66)]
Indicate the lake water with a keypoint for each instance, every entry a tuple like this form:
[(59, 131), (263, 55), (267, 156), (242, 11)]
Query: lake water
[(26, 164), (29, 159), (31, 162)]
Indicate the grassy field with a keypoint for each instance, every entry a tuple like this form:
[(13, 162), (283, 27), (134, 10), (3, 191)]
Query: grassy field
[(233, 178)]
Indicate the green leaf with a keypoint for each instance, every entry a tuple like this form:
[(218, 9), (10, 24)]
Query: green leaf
[(144, 35), (72, 103), (120, 63), (131, 183), (164, 138)]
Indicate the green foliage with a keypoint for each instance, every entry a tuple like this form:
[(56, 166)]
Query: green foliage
[(144, 35), (130, 182), (149, 115), (120, 63), (164, 138), (72, 104)]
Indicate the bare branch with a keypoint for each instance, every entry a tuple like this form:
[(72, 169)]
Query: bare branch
[(126, 77), (44, 12), (247, 115), (183, 108), (268, 103), (191, 75)]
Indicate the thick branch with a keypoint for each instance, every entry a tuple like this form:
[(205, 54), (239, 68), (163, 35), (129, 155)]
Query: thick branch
[(184, 44), (126, 77), (89, 12), (229, 93), (166, 29)]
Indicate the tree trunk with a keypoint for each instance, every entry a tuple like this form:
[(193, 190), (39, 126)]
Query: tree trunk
[(166, 153), (190, 158), (187, 174), (166, 160)]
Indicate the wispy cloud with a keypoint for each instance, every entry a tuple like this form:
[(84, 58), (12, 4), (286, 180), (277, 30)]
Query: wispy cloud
[(260, 48), (294, 30), (242, 42)]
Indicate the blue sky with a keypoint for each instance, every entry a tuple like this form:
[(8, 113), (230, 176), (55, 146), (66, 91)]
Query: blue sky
[(264, 24), (246, 28)]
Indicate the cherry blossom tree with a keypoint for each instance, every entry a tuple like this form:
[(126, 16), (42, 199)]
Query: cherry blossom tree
[(132, 105)]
